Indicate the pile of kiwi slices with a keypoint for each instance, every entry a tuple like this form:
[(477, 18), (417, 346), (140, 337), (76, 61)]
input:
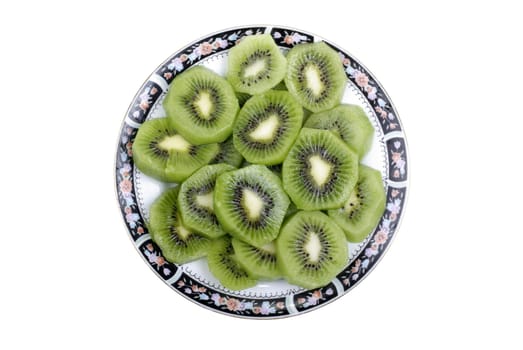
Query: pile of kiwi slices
[(263, 192)]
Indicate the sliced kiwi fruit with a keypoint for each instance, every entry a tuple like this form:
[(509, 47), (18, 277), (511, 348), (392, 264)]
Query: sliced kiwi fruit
[(224, 265), (364, 208), (179, 244), (311, 249), (202, 106), (161, 152), (258, 262), (315, 76), (267, 126), (319, 171), (196, 200), (255, 65), (276, 168), (250, 204), (228, 154), (348, 122)]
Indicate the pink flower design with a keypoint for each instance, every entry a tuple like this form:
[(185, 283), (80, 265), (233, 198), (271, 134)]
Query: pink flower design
[(381, 237), (396, 157), (144, 105), (233, 304), (160, 260), (361, 78), (288, 39), (181, 283), (356, 266), (126, 186), (280, 305), (205, 48)]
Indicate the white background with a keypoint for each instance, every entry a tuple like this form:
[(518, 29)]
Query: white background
[(70, 277)]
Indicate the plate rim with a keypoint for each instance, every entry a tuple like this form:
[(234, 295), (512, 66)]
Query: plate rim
[(232, 304)]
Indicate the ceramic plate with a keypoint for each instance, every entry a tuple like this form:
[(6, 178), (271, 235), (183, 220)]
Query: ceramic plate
[(273, 299)]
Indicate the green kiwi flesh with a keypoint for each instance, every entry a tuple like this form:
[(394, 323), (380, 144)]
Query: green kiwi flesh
[(348, 122), (267, 126), (161, 152), (228, 154), (315, 76), (202, 106), (196, 200), (179, 244), (250, 204), (364, 208), (224, 265), (255, 65), (258, 262), (319, 171), (311, 249)]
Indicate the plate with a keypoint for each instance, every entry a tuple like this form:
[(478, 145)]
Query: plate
[(271, 299)]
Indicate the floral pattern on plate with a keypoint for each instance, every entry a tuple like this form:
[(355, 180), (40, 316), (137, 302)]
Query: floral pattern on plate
[(398, 159), (379, 241), (277, 306), (372, 90), (289, 38), (143, 102), (205, 47), (229, 303), (125, 183), (315, 297)]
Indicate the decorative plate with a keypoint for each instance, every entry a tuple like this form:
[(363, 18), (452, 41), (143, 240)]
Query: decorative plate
[(272, 299)]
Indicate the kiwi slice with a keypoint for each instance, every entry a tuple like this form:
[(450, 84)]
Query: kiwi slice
[(250, 204), (258, 262), (311, 249), (364, 208), (179, 244), (224, 265), (315, 76), (161, 152), (202, 106), (267, 126), (228, 154), (348, 122), (319, 171), (256, 64), (196, 200)]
